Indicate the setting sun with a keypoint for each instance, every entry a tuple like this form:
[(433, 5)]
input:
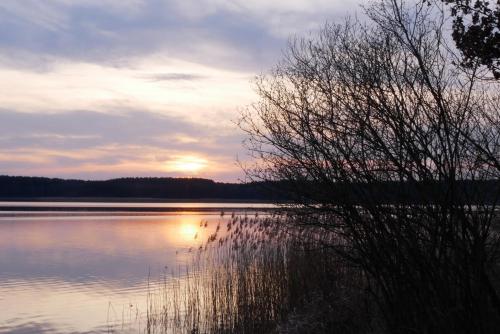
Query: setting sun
[(187, 164)]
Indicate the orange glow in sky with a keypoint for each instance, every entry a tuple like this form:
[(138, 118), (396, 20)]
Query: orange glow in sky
[(187, 164)]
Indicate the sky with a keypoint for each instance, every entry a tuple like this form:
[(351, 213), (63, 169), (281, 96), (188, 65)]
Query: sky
[(98, 89)]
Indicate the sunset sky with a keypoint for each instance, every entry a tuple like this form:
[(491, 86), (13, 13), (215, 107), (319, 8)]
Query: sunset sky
[(99, 89)]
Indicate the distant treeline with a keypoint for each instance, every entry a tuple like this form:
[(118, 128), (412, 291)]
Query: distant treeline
[(144, 187), (21, 187)]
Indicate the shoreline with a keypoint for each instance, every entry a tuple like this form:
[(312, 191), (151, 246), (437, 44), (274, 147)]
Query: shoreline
[(226, 210), (138, 200)]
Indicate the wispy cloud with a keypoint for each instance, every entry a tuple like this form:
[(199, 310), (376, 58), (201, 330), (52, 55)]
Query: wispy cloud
[(174, 77), (99, 144), (250, 34)]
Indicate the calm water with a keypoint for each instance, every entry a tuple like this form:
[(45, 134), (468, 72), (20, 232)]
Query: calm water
[(88, 273)]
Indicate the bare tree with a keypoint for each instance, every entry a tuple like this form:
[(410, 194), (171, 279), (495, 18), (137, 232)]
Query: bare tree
[(387, 144)]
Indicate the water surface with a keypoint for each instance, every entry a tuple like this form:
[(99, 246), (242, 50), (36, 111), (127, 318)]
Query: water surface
[(88, 273)]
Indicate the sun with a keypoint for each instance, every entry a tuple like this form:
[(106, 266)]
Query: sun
[(187, 164)]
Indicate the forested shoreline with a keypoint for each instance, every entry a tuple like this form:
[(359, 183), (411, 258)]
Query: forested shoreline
[(195, 189), (20, 187)]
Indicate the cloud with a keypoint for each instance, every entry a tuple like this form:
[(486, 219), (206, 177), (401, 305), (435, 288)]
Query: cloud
[(228, 34), (84, 86), (174, 77), (88, 129)]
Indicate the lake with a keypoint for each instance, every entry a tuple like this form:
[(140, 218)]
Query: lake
[(88, 272)]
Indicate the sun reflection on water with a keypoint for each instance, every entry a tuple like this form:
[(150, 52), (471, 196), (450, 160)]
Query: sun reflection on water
[(188, 231)]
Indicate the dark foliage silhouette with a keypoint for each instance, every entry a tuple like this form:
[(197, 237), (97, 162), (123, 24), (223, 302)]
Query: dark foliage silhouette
[(476, 32)]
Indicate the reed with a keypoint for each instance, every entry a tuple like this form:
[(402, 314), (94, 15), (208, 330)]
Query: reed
[(261, 275)]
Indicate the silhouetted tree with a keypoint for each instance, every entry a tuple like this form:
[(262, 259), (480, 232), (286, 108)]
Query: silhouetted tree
[(383, 102)]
